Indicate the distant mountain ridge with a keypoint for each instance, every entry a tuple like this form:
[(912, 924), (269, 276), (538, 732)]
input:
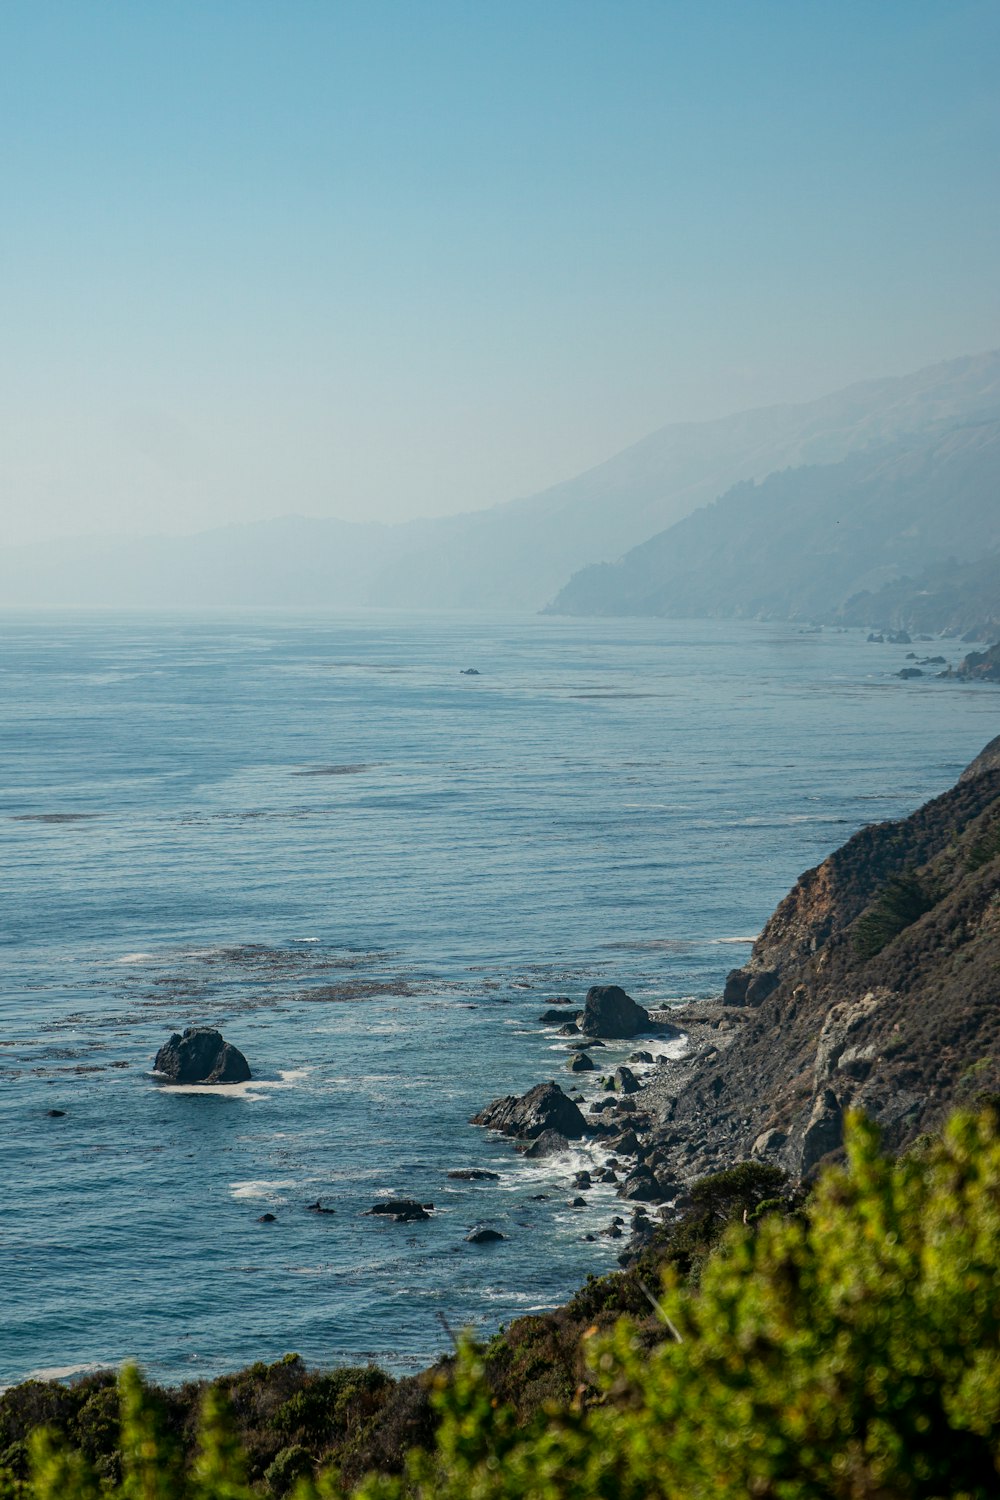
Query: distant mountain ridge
[(516, 555), (827, 541)]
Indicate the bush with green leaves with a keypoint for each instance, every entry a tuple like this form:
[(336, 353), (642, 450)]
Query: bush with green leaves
[(850, 1351)]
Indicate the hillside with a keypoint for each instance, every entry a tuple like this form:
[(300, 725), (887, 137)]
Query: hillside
[(803, 542), (875, 985), (951, 598), (515, 555)]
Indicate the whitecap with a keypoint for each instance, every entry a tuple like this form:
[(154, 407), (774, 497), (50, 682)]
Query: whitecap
[(62, 1372), (262, 1189)]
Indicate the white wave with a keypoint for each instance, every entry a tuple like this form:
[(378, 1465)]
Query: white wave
[(739, 941), (269, 1190), (62, 1372), (136, 958), (251, 1091)]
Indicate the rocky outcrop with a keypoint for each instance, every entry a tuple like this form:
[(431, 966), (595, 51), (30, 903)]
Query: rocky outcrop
[(872, 1002), (201, 1055), (543, 1108), (609, 1012)]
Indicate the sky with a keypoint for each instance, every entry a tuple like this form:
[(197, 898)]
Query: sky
[(375, 259)]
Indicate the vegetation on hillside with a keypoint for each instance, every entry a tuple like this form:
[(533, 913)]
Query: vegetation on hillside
[(848, 1347)]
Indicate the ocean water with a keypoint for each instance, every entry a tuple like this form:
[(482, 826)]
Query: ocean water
[(371, 872)]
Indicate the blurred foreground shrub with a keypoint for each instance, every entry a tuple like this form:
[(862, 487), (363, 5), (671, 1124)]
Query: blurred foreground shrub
[(850, 1351)]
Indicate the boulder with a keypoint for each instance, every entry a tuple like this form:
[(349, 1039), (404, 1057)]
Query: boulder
[(474, 1174), (626, 1081), (557, 1017), (581, 1063), (268, 1219), (484, 1237), (608, 1011), (570, 1029), (641, 1057), (403, 1210), (549, 1143), (824, 1132), (641, 1186), (545, 1107), (735, 990), (627, 1144), (200, 1055)]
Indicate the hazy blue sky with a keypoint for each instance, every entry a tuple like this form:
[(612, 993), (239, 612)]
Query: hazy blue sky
[(377, 259)]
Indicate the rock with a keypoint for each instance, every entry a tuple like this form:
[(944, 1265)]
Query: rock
[(768, 1143), (200, 1055), (762, 984), (608, 1175), (587, 1046), (474, 1174), (582, 1180), (601, 1106), (641, 1057), (609, 1012), (908, 672), (627, 1143), (577, 1203), (735, 991), (484, 1237), (626, 1081), (581, 1063), (469, 672), (570, 1029), (560, 1000), (556, 1017), (549, 1143), (825, 1131), (613, 1232), (545, 1107), (317, 1208), (268, 1219), (642, 1186), (403, 1210), (56, 1114)]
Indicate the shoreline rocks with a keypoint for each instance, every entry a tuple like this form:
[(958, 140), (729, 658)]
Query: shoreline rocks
[(609, 1012), (543, 1108)]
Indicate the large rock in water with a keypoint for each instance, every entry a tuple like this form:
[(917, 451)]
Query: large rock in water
[(545, 1107), (201, 1055), (608, 1011)]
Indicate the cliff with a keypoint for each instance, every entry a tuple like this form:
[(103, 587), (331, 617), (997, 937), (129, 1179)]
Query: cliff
[(874, 985)]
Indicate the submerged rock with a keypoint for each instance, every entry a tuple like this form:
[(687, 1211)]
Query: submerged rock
[(403, 1210), (608, 1011), (545, 1107), (201, 1055), (557, 1017), (474, 1174)]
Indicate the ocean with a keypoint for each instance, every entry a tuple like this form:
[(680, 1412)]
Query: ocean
[(372, 871)]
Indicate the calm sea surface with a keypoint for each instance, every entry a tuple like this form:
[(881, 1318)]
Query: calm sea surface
[(371, 872)]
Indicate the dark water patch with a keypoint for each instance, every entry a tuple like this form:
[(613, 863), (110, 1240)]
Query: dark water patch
[(54, 818), (346, 770)]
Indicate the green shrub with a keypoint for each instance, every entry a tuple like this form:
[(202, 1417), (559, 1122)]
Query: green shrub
[(898, 905)]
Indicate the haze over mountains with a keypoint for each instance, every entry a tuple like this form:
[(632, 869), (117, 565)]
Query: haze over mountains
[(521, 554), (805, 542)]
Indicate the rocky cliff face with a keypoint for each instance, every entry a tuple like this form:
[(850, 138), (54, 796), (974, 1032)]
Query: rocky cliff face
[(875, 985)]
